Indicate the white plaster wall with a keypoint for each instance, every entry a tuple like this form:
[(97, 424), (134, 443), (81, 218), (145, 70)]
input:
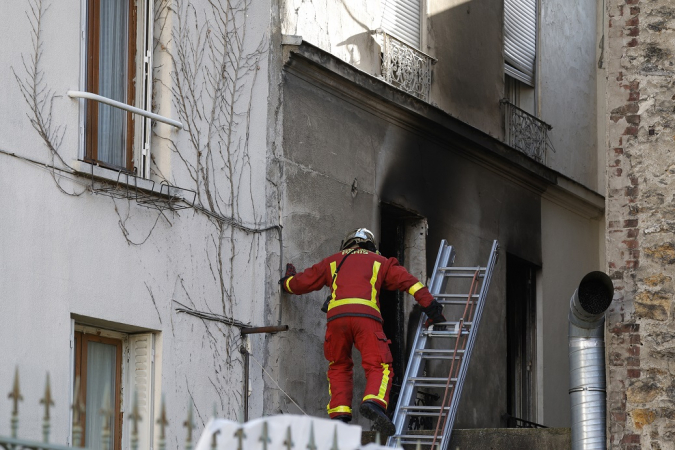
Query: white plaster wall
[(566, 236), (567, 87), (62, 255), (343, 28)]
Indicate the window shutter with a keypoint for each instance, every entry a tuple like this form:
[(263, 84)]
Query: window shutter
[(520, 39), (401, 18), (141, 375)]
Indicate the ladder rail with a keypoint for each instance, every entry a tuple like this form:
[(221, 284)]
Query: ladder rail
[(445, 257), (405, 408), (447, 432)]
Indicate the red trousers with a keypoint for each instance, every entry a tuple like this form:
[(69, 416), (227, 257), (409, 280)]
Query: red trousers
[(367, 335)]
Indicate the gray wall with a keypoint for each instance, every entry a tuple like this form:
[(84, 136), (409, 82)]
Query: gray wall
[(330, 141), (466, 37)]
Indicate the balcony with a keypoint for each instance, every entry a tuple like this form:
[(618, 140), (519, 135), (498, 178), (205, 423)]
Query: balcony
[(404, 66), (525, 132)]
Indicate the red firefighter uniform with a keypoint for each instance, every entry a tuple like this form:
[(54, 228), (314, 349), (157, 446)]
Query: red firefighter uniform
[(354, 319)]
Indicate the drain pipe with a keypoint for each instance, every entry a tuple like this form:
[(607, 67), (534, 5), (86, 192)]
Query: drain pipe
[(587, 361)]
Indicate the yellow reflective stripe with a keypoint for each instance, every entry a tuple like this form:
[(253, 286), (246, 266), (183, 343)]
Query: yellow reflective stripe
[(415, 287), (288, 286), (373, 280), (383, 386), (352, 301), (333, 269), (345, 409)]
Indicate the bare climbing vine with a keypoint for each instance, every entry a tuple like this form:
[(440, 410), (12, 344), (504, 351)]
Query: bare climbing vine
[(214, 62), (40, 98)]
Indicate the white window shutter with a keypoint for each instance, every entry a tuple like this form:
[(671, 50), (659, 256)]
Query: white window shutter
[(141, 375), (520, 39), (402, 19)]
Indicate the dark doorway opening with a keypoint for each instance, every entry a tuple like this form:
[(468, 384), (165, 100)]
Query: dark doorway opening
[(395, 224), (521, 341)]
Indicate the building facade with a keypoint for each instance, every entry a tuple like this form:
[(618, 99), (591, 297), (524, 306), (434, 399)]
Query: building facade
[(144, 244), (639, 97), (388, 125)]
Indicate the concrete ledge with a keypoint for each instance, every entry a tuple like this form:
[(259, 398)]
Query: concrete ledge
[(501, 438)]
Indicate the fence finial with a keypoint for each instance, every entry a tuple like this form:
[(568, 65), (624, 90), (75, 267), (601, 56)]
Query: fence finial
[(163, 423), (335, 440), (214, 441), (106, 412), (189, 424), (265, 436), (240, 435), (78, 411), (15, 395), (47, 401), (135, 416), (289, 440), (312, 443)]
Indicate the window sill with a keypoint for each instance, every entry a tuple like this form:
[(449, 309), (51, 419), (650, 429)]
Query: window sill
[(120, 184)]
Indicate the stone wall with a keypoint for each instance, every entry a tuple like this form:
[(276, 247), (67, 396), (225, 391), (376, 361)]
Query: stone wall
[(640, 99)]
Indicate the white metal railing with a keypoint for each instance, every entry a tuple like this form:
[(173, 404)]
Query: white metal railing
[(525, 132), (405, 67), (124, 106), (280, 432)]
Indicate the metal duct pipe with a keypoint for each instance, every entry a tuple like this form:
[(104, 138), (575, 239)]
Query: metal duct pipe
[(587, 360)]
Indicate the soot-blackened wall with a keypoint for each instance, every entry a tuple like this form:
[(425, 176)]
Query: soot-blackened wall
[(343, 156)]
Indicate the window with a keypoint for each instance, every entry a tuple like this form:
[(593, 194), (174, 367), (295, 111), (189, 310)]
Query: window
[(520, 39), (521, 339), (403, 19), (98, 364), (117, 67), (112, 368)]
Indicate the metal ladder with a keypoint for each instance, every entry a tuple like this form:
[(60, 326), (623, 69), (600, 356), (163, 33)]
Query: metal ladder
[(451, 347)]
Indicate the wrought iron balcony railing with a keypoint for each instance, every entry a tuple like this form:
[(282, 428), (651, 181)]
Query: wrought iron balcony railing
[(525, 132), (405, 67)]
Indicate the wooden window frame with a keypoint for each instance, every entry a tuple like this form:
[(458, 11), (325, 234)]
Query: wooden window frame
[(81, 346), (93, 53)]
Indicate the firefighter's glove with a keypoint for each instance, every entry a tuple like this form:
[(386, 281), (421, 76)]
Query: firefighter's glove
[(290, 271), (434, 313)]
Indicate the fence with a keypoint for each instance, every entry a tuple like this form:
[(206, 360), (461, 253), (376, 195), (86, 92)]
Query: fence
[(281, 432), (525, 132), (404, 66)]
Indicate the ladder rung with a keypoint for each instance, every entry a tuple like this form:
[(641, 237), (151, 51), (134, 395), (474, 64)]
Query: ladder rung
[(424, 408), (454, 302), (437, 350), (462, 275), (462, 269), (430, 385), (432, 379), (443, 334), (455, 295), (414, 436), (441, 358), (454, 324)]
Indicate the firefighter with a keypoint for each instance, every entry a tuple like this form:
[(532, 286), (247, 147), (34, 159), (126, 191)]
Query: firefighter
[(356, 274)]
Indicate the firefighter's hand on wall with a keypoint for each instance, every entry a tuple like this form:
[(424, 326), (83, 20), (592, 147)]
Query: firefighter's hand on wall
[(290, 271), (435, 313)]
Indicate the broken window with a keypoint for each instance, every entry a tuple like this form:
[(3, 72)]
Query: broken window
[(521, 339)]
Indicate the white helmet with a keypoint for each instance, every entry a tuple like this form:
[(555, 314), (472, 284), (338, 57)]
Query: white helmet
[(362, 237)]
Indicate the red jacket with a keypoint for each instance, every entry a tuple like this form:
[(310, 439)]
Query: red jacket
[(356, 289)]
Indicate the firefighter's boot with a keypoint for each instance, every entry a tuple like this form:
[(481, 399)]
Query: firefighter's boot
[(374, 412)]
